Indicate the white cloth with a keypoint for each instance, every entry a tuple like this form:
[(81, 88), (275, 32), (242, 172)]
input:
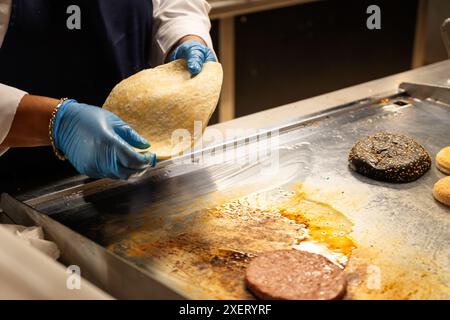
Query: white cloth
[(26, 273), (173, 19), (34, 237)]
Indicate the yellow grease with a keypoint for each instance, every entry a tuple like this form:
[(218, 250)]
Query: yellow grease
[(326, 225)]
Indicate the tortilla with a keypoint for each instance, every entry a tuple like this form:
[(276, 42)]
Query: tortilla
[(157, 102)]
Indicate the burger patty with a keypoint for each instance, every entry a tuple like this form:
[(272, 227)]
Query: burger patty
[(295, 275), (389, 157)]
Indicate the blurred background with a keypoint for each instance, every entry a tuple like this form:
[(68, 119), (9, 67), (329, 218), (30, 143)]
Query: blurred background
[(275, 52)]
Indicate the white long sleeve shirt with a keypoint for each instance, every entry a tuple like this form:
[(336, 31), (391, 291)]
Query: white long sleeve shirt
[(172, 20)]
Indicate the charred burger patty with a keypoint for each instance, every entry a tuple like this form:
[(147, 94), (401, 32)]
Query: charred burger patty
[(389, 157)]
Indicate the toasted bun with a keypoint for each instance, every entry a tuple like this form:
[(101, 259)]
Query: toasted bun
[(441, 191), (442, 168), (443, 160)]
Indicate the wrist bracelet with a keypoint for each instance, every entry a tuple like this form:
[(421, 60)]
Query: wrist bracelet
[(57, 153)]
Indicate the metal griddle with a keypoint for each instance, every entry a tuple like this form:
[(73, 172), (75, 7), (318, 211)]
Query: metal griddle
[(403, 234)]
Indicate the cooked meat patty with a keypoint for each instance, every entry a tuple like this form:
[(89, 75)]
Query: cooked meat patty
[(295, 275), (389, 157)]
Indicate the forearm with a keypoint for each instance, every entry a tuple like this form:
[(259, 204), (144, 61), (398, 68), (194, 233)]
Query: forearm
[(175, 19), (31, 122)]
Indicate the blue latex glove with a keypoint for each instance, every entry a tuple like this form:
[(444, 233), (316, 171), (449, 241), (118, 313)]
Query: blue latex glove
[(195, 53), (98, 143)]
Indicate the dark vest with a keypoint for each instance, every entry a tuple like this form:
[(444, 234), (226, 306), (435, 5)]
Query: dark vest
[(42, 56)]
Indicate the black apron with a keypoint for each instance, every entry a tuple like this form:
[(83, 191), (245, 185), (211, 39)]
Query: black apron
[(43, 57)]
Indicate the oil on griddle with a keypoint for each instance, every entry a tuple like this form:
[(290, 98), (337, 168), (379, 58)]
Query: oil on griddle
[(210, 250)]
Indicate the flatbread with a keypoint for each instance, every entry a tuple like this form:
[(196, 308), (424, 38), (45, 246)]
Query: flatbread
[(157, 102)]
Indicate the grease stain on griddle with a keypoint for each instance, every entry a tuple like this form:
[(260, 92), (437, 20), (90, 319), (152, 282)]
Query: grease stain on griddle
[(207, 252), (210, 250), (393, 279), (325, 224)]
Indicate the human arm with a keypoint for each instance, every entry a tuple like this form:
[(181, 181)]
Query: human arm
[(97, 143), (181, 31)]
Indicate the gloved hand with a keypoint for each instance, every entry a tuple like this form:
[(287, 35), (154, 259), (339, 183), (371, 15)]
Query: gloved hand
[(98, 143), (195, 53)]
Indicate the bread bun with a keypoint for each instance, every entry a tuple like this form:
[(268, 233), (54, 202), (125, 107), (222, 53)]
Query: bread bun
[(441, 191), (443, 160)]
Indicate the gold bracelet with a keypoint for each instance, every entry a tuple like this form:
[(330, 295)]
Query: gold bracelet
[(58, 153)]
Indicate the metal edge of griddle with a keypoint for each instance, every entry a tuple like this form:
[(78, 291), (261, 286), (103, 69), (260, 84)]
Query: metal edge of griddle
[(423, 91), (108, 271), (97, 186)]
